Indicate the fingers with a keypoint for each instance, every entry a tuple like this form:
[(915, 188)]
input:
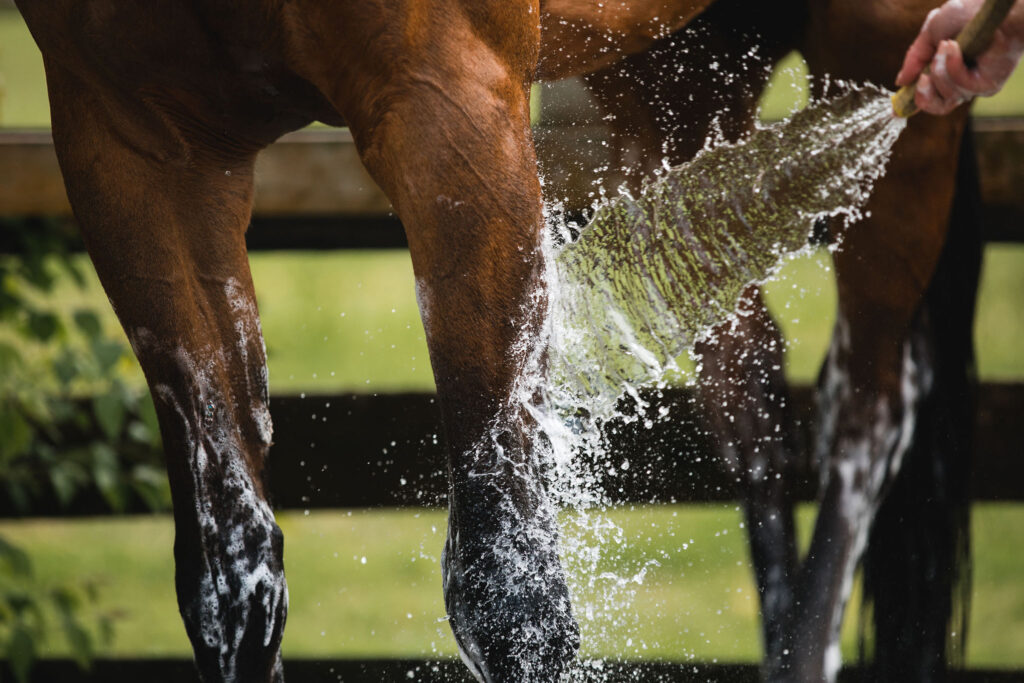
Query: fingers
[(936, 92), (944, 81), (951, 82), (919, 55), (994, 67), (929, 99), (949, 61), (942, 23)]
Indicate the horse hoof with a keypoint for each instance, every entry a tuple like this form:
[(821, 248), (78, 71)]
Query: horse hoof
[(505, 592)]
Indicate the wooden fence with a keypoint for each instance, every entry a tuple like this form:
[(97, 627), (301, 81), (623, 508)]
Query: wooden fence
[(312, 184), (313, 193)]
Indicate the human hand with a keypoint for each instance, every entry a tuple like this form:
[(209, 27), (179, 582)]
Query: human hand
[(950, 82)]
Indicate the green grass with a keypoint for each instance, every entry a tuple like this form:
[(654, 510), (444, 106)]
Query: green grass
[(23, 101), (697, 601), (348, 321)]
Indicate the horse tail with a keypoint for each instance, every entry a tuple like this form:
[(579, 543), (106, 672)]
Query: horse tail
[(917, 562)]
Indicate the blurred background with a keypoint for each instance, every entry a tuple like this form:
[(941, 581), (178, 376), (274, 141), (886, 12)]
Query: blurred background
[(366, 582)]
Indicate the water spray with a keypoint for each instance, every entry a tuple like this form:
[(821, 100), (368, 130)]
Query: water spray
[(654, 272)]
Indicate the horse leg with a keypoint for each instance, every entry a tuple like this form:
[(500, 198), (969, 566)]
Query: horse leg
[(878, 368), (164, 225), (467, 193), (665, 103), (443, 127), (745, 401), (876, 374), (918, 547)]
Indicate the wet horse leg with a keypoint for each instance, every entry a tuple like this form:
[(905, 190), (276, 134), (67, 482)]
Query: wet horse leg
[(165, 232), (443, 127), (665, 103), (877, 370)]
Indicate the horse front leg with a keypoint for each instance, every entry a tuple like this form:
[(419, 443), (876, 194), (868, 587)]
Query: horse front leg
[(470, 202), (164, 225), (443, 127)]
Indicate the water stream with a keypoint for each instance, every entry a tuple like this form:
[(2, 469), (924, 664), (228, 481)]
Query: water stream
[(652, 274)]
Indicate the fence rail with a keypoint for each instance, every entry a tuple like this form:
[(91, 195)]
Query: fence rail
[(427, 671), (312, 192), (349, 451), (360, 450)]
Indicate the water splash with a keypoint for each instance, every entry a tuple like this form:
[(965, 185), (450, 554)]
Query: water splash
[(653, 274), (650, 275)]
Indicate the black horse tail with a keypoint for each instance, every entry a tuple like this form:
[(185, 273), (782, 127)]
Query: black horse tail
[(917, 562)]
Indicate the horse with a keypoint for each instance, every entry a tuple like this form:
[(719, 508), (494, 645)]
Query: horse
[(894, 396), (158, 114)]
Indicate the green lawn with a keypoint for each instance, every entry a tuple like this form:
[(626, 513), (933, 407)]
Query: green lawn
[(347, 321), (367, 583)]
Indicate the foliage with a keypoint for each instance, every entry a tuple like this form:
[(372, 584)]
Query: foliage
[(29, 607), (71, 428)]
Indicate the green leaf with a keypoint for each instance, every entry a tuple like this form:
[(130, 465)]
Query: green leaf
[(139, 432), (42, 326), (21, 652), (147, 413), (16, 558), (65, 480), (16, 431), (110, 414), (107, 354), (150, 484), (10, 359), (106, 629), (88, 322), (106, 472), (80, 642), (66, 600), (67, 366)]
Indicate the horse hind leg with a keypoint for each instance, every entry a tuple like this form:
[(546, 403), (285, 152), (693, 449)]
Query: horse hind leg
[(878, 373), (167, 240), (922, 526), (746, 402)]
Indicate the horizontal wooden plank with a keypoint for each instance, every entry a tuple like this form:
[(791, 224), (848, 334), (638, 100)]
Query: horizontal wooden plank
[(326, 453), (425, 671), (387, 450), (314, 176), (308, 172)]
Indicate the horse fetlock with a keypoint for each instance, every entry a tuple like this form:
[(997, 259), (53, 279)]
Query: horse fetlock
[(505, 592), (234, 599), (229, 551)]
